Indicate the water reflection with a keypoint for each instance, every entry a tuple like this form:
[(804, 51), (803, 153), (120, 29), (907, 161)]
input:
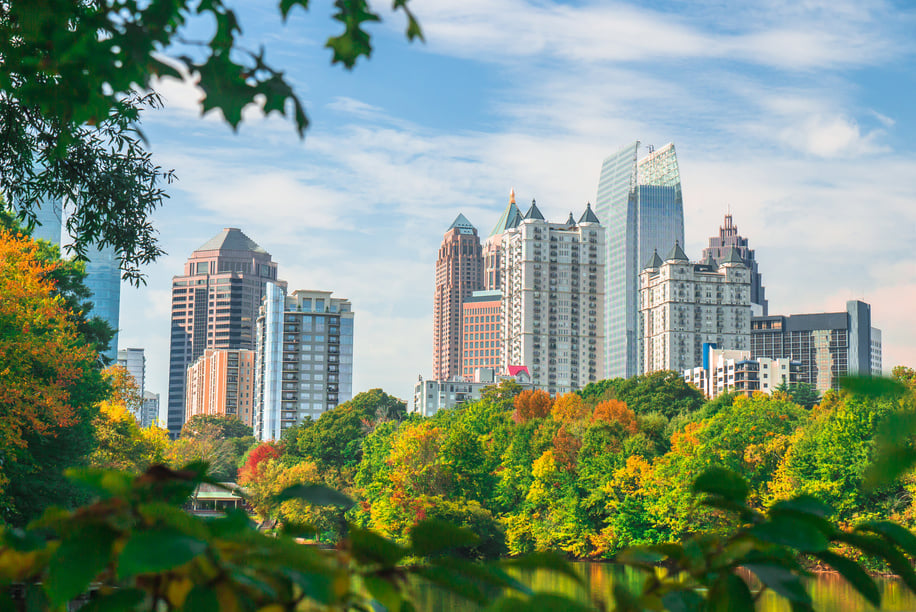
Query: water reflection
[(829, 591)]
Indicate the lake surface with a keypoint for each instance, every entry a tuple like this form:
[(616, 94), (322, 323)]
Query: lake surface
[(829, 591)]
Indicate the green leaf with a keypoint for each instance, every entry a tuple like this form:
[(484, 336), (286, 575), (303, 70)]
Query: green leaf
[(873, 386), (202, 598), (722, 482), (117, 601), (782, 581), (730, 594), (854, 575), (896, 534), (453, 582), (287, 5), (550, 561), (881, 548), (639, 555), (157, 550), (683, 601), (384, 592), (434, 536), (804, 504), (369, 547), (77, 561), (315, 494), (789, 531)]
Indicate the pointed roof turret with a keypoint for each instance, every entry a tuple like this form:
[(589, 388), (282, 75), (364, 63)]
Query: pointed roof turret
[(571, 222), (507, 220), (462, 224), (710, 261), (533, 212), (732, 257), (231, 239), (589, 215), (654, 262), (677, 253)]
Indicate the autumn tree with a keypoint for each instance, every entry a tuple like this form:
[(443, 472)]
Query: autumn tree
[(531, 404), (48, 383), (615, 411), (570, 407)]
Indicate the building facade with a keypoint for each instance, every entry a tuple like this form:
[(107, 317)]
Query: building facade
[(103, 279), (149, 414), (221, 383), (215, 304), (729, 238), (480, 329), (641, 205), (304, 358), (459, 272), (726, 371), (431, 396), (684, 305), (134, 361), (552, 277), (828, 345), (492, 248)]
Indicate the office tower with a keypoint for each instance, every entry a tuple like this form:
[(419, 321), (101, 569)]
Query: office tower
[(492, 248), (48, 221), (215, 304), (828, 345), (718, 248), (481, 323), (304, 358), (640, 204), (150, 411), (221, 383), (684, 305), (725, 371), (553, 298), (459, 272), (134, 361), (103, 279)]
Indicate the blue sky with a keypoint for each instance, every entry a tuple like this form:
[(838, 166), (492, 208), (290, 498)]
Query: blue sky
[(798, 115)]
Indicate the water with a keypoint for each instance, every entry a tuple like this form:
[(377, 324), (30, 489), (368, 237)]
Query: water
[(829, 591)]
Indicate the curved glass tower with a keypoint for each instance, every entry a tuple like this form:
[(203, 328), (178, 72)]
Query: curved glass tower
[(641, 206)]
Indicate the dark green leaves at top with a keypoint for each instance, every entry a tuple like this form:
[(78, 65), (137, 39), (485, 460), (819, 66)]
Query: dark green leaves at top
[(315, 494), (368, 547), (786, 530), (354, 42), (730, 594), (722, 483), (287, 5), (157, 550), (433, 536), (872, 386)]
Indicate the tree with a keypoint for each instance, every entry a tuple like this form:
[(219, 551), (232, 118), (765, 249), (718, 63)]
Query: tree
[(49, 384), (570, 407), (221, 426), (531, 404), (803, 394), (615, 411), (69, 111)]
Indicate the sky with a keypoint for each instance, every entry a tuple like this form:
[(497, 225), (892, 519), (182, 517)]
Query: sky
[(797, 115)]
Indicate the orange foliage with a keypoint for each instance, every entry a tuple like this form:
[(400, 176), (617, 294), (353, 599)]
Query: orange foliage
[(249, 472), (566, 449), (615, 410), (41, 353), (569, 407), (531, 405)]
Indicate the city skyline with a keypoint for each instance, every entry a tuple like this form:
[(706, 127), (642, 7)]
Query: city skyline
[(791, 115)]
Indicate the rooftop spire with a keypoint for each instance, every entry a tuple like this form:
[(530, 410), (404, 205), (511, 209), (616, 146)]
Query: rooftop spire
[(677, 253), (512, 196), (533, 212), (463, 225), (654, 262), (589, 215)]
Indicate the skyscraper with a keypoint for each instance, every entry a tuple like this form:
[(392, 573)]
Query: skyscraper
[(492, 248), (553, 297), (641, 206), (215, 304), (221, 382), (304, 358), (459, 272), (134, 361), (103, 278), (720, 245)]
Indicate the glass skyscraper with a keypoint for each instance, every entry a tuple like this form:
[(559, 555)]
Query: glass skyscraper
[(103, 278), (641, 206)]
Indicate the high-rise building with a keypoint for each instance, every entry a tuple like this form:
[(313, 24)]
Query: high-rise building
[(685, 305), (641, 206), (134, 361), (552, 278), (48, 221), (149, 414), (304, 358), (221, 383), (215, 304), (492, 248), (481, 324), (459, 272), (718, 248), (103, 279), (828, 345)]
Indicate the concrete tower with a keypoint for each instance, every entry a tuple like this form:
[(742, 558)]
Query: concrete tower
[(719, 247)]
